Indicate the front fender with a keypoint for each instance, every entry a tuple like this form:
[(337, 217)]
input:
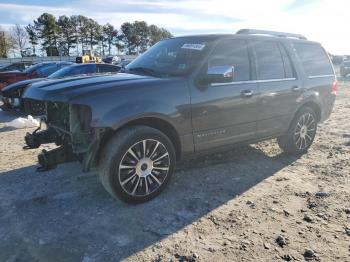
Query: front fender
[(167, 100), (126, 112)]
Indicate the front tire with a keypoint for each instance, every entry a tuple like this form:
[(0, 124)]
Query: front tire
[(301, 133), (137, 164)]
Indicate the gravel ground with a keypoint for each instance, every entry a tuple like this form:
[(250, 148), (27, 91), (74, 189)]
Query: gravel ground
[(253, 203)]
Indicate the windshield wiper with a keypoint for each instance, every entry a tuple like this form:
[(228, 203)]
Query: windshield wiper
[(146, 70)]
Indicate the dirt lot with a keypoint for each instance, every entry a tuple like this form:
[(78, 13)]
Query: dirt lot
[(253, 203)]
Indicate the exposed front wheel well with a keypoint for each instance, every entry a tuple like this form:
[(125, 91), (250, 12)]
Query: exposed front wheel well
[(159, 124)]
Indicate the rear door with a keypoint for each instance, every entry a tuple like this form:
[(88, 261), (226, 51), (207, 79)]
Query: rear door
[(226, 113), (278, 85)]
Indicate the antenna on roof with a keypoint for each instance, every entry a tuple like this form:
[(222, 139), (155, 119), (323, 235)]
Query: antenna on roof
[(271, 33)]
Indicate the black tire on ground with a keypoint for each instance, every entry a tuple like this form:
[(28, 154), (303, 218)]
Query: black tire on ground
[(301, 132), (153, 164)]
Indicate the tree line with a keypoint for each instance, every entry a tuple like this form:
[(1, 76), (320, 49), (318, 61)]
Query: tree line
[(66, 35)]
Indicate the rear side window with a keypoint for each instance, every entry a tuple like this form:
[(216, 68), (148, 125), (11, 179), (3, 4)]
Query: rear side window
[(314, 59), (232, 53), (270, 63)]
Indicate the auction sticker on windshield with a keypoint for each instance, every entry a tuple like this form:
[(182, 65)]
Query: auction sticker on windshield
[(193, 46)]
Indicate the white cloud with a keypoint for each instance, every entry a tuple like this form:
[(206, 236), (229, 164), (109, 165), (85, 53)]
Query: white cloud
[(27, 13), (320, 20)]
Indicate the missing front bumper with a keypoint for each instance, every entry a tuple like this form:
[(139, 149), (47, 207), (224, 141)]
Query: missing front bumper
[(68, 126)]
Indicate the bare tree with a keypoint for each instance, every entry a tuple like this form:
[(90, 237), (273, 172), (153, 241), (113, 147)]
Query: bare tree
[(6, 43), (20, 37)]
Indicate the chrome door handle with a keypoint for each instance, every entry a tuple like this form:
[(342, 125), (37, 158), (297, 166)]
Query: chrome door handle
[(247, 93)]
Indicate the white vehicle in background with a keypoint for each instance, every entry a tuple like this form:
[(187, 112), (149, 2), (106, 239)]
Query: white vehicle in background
[(112, 60)]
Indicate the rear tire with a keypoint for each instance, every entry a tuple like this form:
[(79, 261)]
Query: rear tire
[(137, 164), (301, 132)]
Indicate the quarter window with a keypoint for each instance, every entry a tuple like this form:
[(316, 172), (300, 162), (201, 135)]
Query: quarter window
[(314, 59), (270, 64), (232, 53)]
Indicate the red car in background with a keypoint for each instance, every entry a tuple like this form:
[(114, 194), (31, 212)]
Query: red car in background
[(38, 70)]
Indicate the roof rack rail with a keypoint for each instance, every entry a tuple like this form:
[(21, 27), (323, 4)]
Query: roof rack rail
[(271, 33)]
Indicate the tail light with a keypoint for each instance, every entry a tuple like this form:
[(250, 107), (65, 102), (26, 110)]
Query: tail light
[(334, 87)]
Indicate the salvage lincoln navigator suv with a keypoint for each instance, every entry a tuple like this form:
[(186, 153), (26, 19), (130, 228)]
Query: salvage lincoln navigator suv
[(185, 96)]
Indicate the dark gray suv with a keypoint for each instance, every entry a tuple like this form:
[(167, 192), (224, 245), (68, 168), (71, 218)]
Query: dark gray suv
[(186, 96)]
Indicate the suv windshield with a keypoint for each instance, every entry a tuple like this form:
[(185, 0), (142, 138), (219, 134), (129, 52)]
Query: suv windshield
[(175, 56)]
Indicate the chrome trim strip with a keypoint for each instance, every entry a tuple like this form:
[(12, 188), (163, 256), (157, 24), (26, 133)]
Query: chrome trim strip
[(254, 81), (321, 76)]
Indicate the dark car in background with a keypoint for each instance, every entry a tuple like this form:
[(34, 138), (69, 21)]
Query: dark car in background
[(19, 66), (35, 71), (12, 94), (183, 97), (345, 68)]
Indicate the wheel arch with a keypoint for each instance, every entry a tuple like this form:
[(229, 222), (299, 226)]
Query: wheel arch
[(154, 122), (314, 106)]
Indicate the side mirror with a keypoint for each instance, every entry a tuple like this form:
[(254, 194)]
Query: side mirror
[(219, 74)]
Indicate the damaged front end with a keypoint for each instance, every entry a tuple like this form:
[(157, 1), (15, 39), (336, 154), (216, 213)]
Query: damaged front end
[(69, 127)]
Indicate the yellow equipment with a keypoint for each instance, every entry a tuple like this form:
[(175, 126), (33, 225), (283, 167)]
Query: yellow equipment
[(88, 57)]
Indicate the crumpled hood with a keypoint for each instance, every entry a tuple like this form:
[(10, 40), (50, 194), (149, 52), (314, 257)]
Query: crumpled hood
[(14, 88), (67, 89)]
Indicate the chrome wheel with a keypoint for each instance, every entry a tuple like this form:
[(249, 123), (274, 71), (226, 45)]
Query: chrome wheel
[(305, 130), (144, 167)]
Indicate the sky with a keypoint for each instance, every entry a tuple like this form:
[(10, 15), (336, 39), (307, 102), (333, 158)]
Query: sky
[(325, 21)]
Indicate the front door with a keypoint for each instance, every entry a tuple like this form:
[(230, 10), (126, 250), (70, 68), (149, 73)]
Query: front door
[(225, 113)]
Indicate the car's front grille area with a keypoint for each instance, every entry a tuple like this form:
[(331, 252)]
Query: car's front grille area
[(57, 114)]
